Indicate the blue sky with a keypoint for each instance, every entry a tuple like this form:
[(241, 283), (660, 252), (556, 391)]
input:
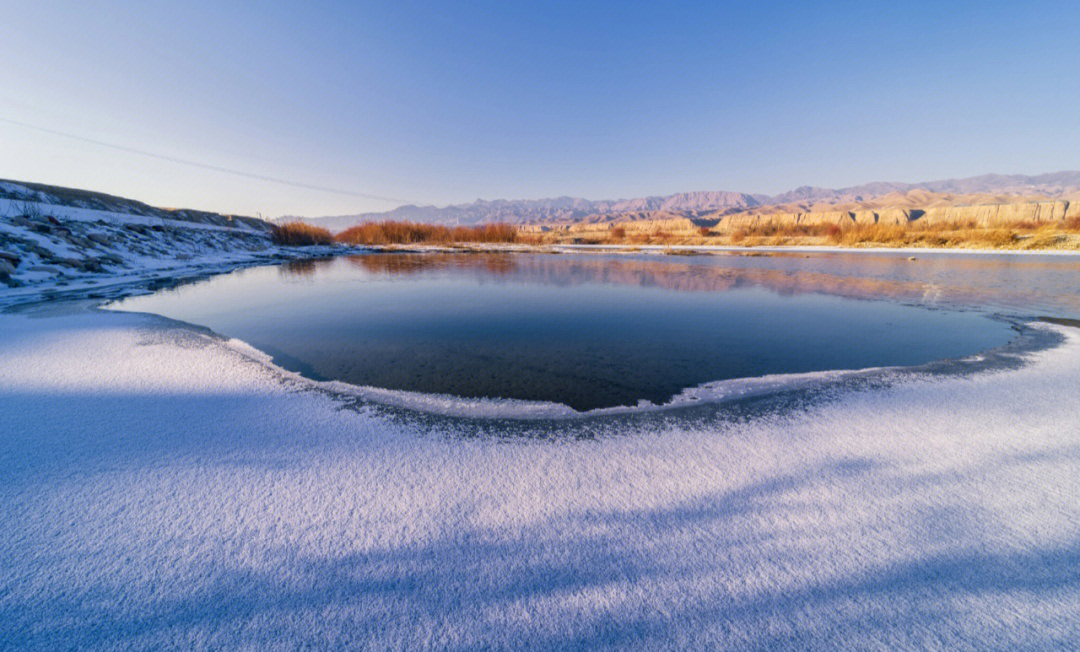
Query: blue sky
[(449, 102)]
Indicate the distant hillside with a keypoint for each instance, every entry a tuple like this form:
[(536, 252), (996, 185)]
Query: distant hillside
[(564, 210), (532, 211), (478, 212)]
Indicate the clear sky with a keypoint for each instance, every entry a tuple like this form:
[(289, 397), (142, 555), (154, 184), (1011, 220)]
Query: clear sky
[(446, 102)]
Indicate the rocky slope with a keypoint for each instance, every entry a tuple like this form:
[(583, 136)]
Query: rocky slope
[(979, 215), (982, 215)]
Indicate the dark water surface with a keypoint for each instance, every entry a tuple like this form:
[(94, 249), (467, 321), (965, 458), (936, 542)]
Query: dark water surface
[(591, 331)]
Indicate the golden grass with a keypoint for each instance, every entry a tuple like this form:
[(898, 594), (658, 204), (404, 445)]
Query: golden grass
[(1015, 235), (390, 232), (955, 235), (300, 234)]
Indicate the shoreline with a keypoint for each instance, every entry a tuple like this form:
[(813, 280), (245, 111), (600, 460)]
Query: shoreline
[(844, 249), (709, 249), (141, 281)]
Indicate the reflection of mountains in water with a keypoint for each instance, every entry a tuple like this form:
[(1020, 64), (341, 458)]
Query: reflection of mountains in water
[(1029, 284)]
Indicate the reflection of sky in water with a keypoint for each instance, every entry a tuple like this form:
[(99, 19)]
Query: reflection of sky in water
[(592, 331)]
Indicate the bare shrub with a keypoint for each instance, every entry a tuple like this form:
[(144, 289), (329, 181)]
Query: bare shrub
[(998, 236)]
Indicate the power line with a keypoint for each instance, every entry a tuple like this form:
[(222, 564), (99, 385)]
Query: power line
[(207, 166)]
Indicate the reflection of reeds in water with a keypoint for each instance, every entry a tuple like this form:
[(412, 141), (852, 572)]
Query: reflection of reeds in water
[(305, 268), (392, 263), (965, 281)]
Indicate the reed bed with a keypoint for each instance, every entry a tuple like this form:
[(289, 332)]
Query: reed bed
[(1014, 235), (300, 234), (913, 234), (391, 232)]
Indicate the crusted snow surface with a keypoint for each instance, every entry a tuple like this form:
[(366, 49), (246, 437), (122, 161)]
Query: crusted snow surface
[(160, 489)]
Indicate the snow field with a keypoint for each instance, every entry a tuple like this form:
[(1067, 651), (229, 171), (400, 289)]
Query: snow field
[(160, 489)]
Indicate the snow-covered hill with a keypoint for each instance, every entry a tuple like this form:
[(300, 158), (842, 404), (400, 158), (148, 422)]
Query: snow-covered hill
[(22, 192), (59, 241)]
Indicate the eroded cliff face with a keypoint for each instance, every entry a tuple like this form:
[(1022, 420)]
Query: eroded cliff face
[(650, 224), (998, 214), (640, 222), (751, 220), (983, 215), (979, 215)]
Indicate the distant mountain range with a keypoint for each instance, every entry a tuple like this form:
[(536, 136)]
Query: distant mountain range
[(533, 211), (1054, 185)]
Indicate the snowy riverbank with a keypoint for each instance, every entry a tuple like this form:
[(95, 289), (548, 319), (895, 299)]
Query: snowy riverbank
[(162, 490), (49, 250)]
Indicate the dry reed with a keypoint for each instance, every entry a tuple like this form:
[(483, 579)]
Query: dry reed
[(390, 232), (300, 234)]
